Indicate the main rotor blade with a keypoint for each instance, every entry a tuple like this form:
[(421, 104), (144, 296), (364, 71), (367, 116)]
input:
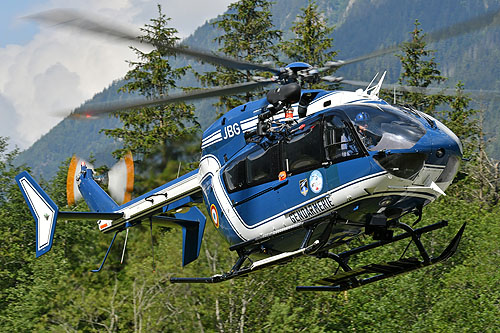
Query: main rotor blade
[(429, 90), (479, 22), (97, 109), (82, 21)]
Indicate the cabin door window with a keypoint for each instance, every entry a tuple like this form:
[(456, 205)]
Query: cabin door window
[(339, 142)]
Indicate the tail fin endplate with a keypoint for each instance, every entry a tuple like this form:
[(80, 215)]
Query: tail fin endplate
[(43, 209), (192, 234)]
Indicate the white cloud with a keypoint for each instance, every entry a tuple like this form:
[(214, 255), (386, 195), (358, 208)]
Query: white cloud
[(61, 68), (187, 15), (9, 122), (56, 71)]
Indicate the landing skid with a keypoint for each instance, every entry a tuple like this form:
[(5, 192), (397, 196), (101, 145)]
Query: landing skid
[(349, 278), (237, 271), (345, 280)]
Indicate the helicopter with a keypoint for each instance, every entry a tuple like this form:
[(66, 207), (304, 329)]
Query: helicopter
[(300, 172)]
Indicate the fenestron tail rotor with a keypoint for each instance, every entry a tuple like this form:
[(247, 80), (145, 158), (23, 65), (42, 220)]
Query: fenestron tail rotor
[(120, 179)]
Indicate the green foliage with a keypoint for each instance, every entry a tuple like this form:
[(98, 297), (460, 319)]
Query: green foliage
[(148, 130), (312, 40), (16, 233), (462, 120), (248, 34), (58, 293), (419, 69)]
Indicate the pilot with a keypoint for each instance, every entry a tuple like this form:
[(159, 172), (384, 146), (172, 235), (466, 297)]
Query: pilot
[(369, 138)]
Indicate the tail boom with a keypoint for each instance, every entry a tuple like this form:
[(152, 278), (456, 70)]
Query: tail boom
[(46, 213), (176, 196)]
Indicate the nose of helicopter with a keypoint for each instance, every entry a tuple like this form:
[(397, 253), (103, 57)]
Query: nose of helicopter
[(447, 151), (437, 155), (444, 141)]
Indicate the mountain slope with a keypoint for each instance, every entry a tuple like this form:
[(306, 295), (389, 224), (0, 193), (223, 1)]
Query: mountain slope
[(362, 26), (73, 136)]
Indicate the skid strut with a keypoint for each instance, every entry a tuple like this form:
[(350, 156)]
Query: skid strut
[(243, 255), (349, 278)]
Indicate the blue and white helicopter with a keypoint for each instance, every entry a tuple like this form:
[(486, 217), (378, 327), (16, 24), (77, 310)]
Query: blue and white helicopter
[(299, 172)]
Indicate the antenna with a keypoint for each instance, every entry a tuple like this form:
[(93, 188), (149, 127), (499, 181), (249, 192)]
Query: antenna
[(369, 87), (152, 242), (376, 89)]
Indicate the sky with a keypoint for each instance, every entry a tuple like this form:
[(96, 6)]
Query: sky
[(45, 70)]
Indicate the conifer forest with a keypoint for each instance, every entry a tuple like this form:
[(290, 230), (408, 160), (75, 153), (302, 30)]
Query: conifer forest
[(58, 292)]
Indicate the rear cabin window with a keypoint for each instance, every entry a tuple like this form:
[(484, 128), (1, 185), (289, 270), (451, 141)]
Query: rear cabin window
[(263, 166), (304, 150), (257, 167)]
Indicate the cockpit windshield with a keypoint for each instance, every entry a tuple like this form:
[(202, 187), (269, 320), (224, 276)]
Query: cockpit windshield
[(384, 127)]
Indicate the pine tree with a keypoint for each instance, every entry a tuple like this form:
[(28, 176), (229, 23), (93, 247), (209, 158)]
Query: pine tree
[(149, 130), (420, 70), (462, 120), (248, 34), (312, 41)]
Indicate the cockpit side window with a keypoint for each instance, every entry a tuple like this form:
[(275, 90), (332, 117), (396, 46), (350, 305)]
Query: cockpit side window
[(384, 127), (338, 140)]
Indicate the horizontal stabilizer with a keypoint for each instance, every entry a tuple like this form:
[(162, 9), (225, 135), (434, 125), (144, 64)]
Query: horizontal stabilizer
[(92, 216), (46, 212)]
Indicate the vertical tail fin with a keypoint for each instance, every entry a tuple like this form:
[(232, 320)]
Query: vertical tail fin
[(43, 209), (96, 198)]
